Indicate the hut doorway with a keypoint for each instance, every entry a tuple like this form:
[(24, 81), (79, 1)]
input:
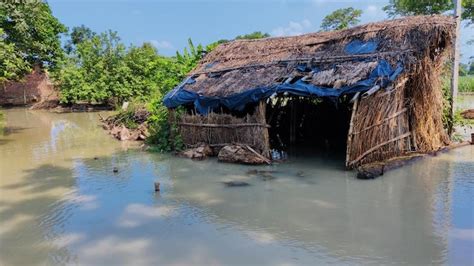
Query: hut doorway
[(309, 125)]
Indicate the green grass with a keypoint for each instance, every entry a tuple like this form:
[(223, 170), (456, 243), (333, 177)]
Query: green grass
[(466, 83)]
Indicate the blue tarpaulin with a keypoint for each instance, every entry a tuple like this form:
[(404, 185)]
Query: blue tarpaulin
[(383, 74), (360, 47)]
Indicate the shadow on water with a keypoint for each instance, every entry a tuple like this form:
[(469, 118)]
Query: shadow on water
[(4, 141), (12, 130), (43, 178), (22, 214)]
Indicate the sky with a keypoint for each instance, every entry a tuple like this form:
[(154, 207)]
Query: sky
[(168, 24)]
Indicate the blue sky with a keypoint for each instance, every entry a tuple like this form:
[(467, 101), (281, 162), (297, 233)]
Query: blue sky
[(168, 24)]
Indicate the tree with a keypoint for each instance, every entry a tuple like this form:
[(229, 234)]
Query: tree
[(428, 7), (252, 36), (12, 65), (77, 36), (341, 19), (463, 69), (101, 69), (95, 71), (190, 56), (471, 68), (32, 32), (213, 45)]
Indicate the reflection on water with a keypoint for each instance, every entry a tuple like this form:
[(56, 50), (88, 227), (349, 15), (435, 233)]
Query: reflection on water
[(62, 203)]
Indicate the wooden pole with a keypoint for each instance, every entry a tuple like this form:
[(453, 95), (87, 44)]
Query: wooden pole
[(455, 68), (262, 119), (351, 128)]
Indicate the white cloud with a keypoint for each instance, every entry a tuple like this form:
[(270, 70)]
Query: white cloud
[(67, 239), (136, 214), (371, 9), (293, 28), (262, 237), (162, 44)]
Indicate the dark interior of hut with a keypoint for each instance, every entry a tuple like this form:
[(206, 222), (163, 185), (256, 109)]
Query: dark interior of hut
[(302, 126)]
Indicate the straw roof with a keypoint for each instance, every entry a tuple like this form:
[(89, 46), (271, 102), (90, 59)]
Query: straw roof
[(241, 65)]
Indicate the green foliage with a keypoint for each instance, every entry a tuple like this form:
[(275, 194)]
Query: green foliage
[(12, 65), (466, 83), (341, 19), (127, 117), (252, 36), (463, 69), (31, 34), (190, 57), (77, 36), (470, 71), (159, 126), (213, 45), (94, 71), (448, 122), (101, 69), (428, 7)]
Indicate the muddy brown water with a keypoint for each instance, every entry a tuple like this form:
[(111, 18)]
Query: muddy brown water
[(62, 203)]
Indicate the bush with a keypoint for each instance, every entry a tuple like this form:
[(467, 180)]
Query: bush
[(102, 70), (160, 128), (466, 83)]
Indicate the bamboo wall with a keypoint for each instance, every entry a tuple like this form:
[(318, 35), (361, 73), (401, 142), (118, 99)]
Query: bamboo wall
[(219, 130), (380, 127)]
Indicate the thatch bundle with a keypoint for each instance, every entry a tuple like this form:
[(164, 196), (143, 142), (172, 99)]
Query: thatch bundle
[(403, 116)]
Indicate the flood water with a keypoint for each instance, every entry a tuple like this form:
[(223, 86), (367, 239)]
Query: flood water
[(61, 203)]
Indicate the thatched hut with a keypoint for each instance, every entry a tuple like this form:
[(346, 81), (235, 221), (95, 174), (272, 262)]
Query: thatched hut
[(373, 89)]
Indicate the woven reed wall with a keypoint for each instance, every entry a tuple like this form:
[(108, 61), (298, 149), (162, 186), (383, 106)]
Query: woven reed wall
[(223, 129), (381, 128)]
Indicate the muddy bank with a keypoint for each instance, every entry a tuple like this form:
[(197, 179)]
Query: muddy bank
[(468, 114), (79, 107), (127, 125)]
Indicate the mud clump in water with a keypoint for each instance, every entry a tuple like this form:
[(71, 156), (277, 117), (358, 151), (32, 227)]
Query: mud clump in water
[(235, 184), (265, 175)]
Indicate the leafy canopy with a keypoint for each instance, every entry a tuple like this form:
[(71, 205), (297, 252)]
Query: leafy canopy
[(77, 36), (252, 36), (428, 7), (100, 68), (12, 65), (341, 19), (30, 33)]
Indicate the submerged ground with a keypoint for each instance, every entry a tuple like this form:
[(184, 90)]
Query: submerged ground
[(61, 202)]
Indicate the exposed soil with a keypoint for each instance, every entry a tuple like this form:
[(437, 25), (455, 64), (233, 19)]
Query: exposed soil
[(34, 89), (468, 114), (119, 126)]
